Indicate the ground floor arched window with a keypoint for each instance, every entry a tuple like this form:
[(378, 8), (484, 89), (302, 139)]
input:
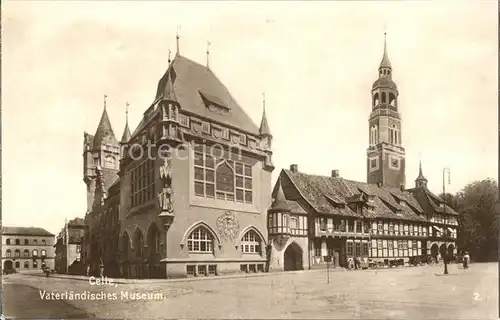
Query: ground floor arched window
[(200, 240), (251, 242)]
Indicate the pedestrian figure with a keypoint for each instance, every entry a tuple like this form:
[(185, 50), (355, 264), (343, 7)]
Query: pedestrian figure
[(102, 268), (88, 270), (466, 259)]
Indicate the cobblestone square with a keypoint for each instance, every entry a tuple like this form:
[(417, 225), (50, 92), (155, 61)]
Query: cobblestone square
[(400, 293)]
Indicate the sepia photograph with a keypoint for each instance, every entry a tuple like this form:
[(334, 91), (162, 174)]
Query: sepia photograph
[(249, 160)]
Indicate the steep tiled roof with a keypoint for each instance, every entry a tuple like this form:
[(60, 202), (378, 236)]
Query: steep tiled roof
[(322, 193), (109, 177), (438, 203), (190, 81), (329, 195), (104, 132), (77, 222), (26, 231), (295, 207)]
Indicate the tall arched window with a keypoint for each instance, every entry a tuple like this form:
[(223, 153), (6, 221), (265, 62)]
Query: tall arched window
[(251, 242), (26, 253), (373, 135), (384, 97), (392, 99), (26, 241), (18, 242), (43, 253), (7, 241), (394, 135), (200, 240), (35, 253), (375, 99), (43, 242), (8, 253), (17, 253), (35, 241), (18, 264), (26, 264)]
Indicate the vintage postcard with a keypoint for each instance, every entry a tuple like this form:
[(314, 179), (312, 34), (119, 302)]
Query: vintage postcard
[(249, 160)]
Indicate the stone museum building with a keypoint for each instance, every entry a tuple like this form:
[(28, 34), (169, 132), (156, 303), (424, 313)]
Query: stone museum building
[(314, 219), (187, 192), (68, 247), (26, 249)]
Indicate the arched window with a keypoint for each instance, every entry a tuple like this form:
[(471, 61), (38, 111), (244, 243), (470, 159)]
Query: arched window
[(26, 264), (26, 241), (26, 253), (138, 243), (18, 264), (35, 264), (34, 253), (8, 253), (18, 242), (375, 99), (384, 97), (251, 242), (392, 99), (43, 253), (7, 241), (35, 241), (224, 182), (43, 242), (17, 253), (200, 240), (373, 135)]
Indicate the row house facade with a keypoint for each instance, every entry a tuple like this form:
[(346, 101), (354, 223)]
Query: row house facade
[(188, 193), (316, 219), (27, 249), (68, 247)]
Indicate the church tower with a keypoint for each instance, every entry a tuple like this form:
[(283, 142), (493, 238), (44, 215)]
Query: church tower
[(101, 153), (385, 154)]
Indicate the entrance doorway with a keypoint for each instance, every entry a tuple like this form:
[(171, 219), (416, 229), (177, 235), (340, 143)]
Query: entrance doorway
[(293, 258), (7, 265)]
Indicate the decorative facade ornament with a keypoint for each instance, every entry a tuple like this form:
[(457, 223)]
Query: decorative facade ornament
[(165, 198), (228, 225)]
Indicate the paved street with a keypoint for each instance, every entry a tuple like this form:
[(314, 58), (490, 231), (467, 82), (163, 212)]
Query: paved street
[(410, 293)]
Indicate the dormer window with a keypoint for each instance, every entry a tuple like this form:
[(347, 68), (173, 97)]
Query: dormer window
[(213, 103)]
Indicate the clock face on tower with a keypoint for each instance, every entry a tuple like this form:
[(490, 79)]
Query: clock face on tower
[(395, 162)]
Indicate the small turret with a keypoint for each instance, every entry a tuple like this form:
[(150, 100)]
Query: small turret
[(421, 181)]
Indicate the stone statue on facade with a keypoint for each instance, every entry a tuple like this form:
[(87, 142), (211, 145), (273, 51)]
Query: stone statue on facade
[(165, 198)]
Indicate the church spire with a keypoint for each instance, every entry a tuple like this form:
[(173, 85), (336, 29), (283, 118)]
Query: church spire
[(104, 132), (126, 132), (264, 126), (177, 37), (421, 181), (385, 63)]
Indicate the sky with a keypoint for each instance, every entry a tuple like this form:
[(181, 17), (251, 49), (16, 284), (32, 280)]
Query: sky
[(315, 61)]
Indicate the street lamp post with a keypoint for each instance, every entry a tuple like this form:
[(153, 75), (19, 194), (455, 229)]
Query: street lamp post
[(445, 170)]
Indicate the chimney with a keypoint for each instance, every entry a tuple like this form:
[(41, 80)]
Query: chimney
[(294, 168), (335, 173)]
